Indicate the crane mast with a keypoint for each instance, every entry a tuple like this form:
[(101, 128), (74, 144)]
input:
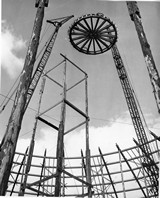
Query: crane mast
[(151, 67), (148, 161), (46, 54)]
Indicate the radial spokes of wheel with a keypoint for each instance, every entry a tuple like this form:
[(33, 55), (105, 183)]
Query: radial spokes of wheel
[(93, 34)]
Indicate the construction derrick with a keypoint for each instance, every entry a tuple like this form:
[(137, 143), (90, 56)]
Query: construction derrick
[(148, 161), (35, 79), (46, 54), (151, 67), (8, 144)]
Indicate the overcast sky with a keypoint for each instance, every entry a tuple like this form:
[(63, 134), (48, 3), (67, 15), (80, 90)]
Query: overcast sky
[(110, 121)]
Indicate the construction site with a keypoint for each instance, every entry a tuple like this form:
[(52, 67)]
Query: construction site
[(82, 118)]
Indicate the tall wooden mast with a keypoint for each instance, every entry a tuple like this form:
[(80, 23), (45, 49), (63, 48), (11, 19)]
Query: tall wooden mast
[(9, 142), (151, 66)]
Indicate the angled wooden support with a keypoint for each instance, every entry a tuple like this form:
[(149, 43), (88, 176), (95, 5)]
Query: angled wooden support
[(155, 136), (40, 192), (77, 83), (131, 170), (50, 108), (105, 164), (76, 109), (74, 127), (19, 171), (77, 178), (43, 165), (53, 80), (42, 180), (53, 67), (152, 162), (151, 169), (83, 163), (73, 64), (48, 123)]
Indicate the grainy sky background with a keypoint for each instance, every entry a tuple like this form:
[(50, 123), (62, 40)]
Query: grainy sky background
[(110, 121)]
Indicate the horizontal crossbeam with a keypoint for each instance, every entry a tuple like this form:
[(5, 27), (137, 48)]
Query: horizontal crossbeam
[(48, 123), (42, 180), (38, 191), (77, 178), (76, 109)]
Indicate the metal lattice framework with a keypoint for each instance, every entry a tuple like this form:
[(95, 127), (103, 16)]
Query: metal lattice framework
[(93, 34)]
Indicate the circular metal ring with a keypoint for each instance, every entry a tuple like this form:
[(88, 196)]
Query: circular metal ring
[(93, 34)]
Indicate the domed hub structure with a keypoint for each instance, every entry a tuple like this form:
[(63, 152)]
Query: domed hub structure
[(93, 34)]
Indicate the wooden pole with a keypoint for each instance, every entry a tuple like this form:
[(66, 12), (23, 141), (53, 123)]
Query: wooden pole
[(60, 141), (9, 142), (88, 162), (134, 13)]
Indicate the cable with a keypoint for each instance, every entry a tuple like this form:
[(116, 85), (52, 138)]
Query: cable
[(31, 108), (45, 30), (78, 116)]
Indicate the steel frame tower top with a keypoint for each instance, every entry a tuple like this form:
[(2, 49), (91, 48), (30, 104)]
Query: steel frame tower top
[(151, 67)]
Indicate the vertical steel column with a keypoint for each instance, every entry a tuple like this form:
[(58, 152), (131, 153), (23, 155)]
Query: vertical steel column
[(60, 141), (9, 142), (151, 67), (88, 161)]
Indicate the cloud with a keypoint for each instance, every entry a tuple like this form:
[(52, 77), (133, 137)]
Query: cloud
[(10, 46), (105, 137)]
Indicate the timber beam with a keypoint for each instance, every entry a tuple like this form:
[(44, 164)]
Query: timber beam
[(77, 178), (76, 109), (42, 180), (48, 123), (40, 192)]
